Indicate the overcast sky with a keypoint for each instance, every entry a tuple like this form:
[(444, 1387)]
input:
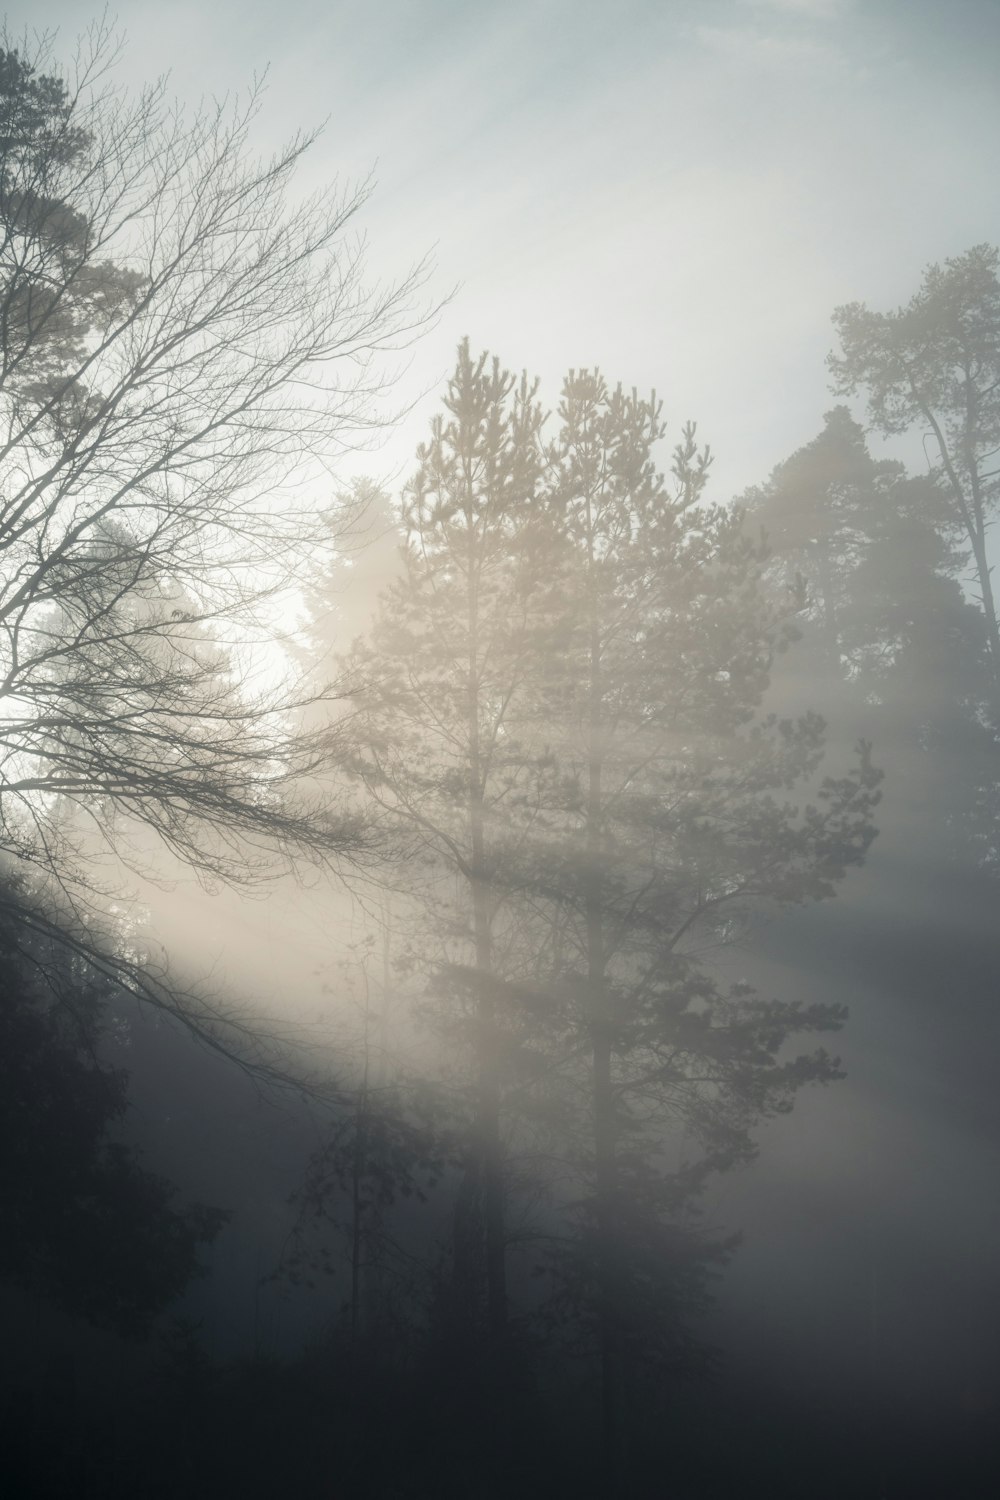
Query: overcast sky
[(679, 191)]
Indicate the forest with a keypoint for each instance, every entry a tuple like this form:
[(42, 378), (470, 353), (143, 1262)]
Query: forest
[(632, 824)]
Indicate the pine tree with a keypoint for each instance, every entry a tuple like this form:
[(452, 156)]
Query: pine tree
[(934, 366), (890, 640), (671, 831), (558, 711), (432, 689)]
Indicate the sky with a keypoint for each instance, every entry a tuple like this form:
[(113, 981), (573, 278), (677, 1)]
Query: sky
[(676, 191)]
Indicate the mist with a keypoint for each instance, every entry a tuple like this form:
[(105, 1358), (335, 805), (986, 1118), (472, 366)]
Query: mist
[(499, 773)]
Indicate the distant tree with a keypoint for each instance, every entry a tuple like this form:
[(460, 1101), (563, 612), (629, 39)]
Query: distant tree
[(818, 510), (890, 641), (380, 1153), (934, 366), (363, 556), (183, 348)]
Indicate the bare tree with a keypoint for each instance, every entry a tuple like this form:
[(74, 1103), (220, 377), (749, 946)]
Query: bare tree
[(184, 350)]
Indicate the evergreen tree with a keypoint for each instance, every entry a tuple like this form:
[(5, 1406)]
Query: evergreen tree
[(433, 688), (668, 829), (891, 643), (558, 710)]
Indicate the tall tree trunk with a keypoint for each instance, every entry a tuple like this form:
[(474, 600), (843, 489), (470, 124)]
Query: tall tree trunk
[(602, 1093), (360, 1230), (488, 1086), (972, 513), (977, 531), (605, 1182), (985, 581), (490, 1144)]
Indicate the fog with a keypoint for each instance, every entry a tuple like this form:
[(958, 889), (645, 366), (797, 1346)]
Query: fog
[(534, 1031)]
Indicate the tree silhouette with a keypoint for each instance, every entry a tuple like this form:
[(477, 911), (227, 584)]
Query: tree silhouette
[(934, 366), (890, 642)]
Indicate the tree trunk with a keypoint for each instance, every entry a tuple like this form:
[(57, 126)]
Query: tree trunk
[(490, 1144), (488, 1085), (989, 605), (610, 1345), (359, 1168), (977, 536), (602, 1094)]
